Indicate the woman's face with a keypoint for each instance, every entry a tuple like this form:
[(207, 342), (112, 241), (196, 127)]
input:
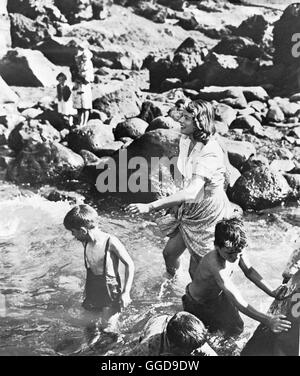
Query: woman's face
[(187, 123)]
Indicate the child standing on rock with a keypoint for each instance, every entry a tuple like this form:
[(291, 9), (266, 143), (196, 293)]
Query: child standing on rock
[(64, 99), (83, 75)]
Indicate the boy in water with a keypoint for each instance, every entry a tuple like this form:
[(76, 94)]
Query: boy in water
[(102, 253), (181, 334), (215, 299)]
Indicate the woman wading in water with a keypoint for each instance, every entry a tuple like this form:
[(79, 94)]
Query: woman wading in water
[(203, 201)]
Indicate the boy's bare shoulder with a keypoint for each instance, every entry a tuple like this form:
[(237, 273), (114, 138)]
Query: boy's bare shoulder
[(211, 262)]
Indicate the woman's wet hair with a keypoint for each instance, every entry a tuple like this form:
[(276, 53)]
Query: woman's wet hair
[(230, 233), (81, 216), (204, 117), (185, 331), (61, 75)]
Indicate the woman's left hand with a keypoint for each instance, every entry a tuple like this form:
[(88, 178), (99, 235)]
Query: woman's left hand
[(138, 208)]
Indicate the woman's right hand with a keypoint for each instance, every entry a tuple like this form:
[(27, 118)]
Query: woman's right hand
[(138, 208), (278, 323)]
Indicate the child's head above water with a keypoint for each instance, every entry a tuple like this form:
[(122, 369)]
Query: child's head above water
[(185, 333), (80, 220), (230, 238)]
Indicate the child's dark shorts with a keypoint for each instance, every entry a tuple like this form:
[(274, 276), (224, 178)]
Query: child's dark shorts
[(101, 291), (216, 314)]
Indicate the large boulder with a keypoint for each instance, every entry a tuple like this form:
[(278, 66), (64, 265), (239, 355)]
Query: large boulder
[(225, 70), (158, 71), (253, 27), (93, 137), (238, 151), (238, 46), (260, 188), (249, 123), (285, 40), (132, 128), (163, 122), (150, 111), (20, 67), (45, 163), (153, 155), (30, 132), (27, 33), (59, 50), (7, 95), (233, 97), (121, 101), (75, 10)]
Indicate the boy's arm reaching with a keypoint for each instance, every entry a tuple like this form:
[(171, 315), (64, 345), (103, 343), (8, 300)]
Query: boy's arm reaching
[(120, 251), (276, 323), (258, 280)]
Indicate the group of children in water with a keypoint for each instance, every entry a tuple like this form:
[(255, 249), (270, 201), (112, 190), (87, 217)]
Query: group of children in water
[(211, 302)]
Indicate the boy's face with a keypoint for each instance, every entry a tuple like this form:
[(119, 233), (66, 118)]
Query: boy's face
[(229, 253), (81, 234), (61, 80)]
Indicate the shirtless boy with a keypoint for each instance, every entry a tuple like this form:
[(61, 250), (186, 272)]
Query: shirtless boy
[(215, 299), (102, 253)]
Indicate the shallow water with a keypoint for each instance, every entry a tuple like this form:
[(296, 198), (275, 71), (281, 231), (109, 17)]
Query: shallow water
[(42, 273)]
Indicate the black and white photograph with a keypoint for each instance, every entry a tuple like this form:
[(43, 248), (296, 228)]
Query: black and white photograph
[(149, 181)]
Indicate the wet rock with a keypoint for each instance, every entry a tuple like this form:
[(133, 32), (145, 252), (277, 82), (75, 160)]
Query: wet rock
[(275, 114), (132, 128), (75, 10), (174, 4), (255, 93), (20, 67), (284, 33), (253, 27), (238, 46), (92, 137), (60, 195), (29, 132), (7, 95), (260, 188), (225, 113), (158, 71), (225, 70), (253, 162), (163, 122), (121, 101), (27, 33), (238, 151), (149, 111), (44, 163)]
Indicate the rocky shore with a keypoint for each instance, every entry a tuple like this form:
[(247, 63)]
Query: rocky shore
[(146, 56)]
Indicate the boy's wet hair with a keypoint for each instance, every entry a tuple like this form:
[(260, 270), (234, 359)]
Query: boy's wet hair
[(230, 233), (81, 216), (61, 75), (186, 331)]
